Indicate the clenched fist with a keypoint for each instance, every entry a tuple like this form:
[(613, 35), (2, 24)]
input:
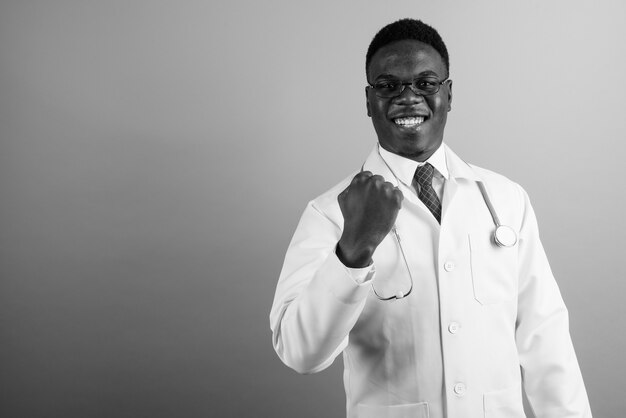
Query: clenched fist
[(369, 206)]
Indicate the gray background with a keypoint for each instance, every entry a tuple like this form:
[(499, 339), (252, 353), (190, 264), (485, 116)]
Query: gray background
[(155, 158)]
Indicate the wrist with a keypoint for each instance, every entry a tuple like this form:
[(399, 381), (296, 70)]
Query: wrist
[(354, 256)]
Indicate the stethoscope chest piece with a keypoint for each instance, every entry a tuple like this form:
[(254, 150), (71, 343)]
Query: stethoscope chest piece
[(505, 236)]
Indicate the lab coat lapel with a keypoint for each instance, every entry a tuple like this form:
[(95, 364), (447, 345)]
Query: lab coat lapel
[(458, 168), (459, 172)]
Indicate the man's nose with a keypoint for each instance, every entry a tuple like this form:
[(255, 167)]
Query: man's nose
[(408, 95)]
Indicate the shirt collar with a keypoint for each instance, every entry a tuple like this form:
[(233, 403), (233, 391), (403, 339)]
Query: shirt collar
[(404, 168)]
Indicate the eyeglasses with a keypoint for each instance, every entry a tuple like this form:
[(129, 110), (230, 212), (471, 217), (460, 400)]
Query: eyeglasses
[(424, 86)]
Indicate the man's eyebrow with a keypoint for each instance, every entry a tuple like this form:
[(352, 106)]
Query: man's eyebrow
[(422, 74), (386, 76), (428, 72)]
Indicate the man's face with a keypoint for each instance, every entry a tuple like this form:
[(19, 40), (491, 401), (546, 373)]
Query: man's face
[(394, 118)]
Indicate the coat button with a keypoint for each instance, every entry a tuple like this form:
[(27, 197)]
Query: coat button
[(460, 389), (448, 266), (454, 327)]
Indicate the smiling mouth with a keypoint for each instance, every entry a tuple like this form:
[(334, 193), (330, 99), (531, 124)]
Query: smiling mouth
[(409, 122)]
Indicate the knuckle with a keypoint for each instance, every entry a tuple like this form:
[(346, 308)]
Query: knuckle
[(361, 177), (377, 180), (399, 197), (389, 186)]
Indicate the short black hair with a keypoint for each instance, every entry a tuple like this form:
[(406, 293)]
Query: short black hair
[(407, 29)]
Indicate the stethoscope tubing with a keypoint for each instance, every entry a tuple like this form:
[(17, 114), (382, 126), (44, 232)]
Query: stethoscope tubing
[(487, 200), (399, 294)]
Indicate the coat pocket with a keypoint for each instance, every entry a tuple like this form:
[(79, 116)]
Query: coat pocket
[(412, 410), (506, 403), (494, 270)]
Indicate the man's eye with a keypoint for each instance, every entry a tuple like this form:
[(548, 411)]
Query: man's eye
[(426, 83), (386, 85)]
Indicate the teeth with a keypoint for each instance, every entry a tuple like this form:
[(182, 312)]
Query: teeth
[(409, 121)]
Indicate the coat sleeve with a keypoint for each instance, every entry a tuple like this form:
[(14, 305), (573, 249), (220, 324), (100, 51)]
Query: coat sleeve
[(317, 302), (552, 379)]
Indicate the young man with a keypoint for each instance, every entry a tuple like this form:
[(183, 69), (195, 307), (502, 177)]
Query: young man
[(398, 267)]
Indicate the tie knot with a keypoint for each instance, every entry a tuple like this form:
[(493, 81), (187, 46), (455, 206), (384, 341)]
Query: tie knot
[(424, 174)]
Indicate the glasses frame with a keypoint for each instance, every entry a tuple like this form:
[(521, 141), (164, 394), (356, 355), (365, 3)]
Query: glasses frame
[(411, 86)]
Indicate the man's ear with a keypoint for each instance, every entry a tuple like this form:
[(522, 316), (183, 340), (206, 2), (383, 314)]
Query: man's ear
[(367, 102), (449, 95)]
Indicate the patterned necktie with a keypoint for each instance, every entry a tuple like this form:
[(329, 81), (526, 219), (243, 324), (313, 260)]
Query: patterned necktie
[(424, 177)]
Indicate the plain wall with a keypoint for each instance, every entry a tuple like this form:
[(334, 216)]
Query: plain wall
[(155, 158)]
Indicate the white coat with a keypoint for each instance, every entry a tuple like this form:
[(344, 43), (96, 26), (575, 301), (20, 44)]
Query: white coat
[(482, 324)]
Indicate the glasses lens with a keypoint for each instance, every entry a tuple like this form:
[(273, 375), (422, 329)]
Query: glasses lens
[(427, 85), (388, 88)]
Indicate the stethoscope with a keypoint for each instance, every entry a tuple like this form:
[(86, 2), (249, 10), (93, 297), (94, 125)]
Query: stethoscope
[(503, 235)]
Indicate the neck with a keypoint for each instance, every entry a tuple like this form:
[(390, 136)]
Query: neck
[(419, 155)]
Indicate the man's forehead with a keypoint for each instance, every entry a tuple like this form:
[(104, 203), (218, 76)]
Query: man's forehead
[(407, 56)]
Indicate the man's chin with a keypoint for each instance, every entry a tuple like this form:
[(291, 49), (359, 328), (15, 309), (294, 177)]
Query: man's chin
[(416, 147)]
